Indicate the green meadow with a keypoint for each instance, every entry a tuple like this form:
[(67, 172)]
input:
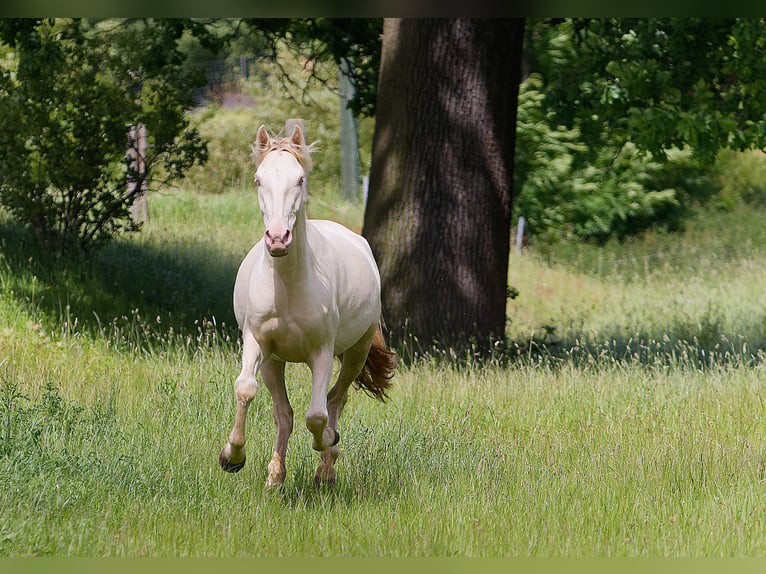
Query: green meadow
[(624, 417)]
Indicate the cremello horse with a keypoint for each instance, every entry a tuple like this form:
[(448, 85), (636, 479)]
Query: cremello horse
[(307, 292)]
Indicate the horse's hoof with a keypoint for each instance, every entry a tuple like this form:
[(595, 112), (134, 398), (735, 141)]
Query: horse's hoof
[(229, 466), (324, 482), (337, 438)]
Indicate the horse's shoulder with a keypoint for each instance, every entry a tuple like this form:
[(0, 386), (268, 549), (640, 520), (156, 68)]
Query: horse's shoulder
[(327, 225), (327, 236), (336, 243), (250, 260)]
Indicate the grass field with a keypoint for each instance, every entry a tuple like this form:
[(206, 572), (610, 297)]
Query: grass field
[(629, 422), (625, 419), (696, 294)]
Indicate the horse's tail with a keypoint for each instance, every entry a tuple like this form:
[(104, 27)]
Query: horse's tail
[(378, 370)]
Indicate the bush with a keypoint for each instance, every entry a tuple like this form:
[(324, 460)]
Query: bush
[(69, 90), (566, 190), (228, 133)]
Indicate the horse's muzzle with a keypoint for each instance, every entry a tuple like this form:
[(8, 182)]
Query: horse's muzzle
[(278, 245), (276, 251)]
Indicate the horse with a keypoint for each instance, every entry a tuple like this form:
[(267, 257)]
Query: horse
[(307, 292)]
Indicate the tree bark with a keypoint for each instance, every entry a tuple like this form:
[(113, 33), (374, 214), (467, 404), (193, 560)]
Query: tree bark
[(438, 215)]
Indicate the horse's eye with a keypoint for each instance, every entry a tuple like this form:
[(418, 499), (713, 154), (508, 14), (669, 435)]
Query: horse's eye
[(257, 181), (301, 179)]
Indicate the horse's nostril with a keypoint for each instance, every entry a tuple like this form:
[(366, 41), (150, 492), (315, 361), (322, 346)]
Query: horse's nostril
[(285, 238)]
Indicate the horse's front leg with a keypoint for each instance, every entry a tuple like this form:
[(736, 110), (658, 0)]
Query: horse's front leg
[(316, 417), (232, 457)]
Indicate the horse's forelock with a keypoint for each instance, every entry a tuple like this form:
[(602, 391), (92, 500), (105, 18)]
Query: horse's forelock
[(302, 153)]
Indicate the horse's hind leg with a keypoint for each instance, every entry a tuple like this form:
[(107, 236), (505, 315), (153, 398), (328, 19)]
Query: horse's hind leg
[(351, 365), (273, 373)]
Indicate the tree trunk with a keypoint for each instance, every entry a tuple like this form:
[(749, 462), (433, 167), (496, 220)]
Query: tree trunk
[(438, 216)]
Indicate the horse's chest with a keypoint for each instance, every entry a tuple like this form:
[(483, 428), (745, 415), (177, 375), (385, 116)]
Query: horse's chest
[(293, 334)]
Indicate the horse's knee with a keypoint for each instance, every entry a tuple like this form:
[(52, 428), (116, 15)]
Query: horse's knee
[(245, 388), (316, 422)]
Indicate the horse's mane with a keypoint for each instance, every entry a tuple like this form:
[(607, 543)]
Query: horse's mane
[(300, 152)]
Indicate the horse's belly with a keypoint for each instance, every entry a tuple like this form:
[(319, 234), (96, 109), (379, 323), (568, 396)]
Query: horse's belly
[(296, 341)]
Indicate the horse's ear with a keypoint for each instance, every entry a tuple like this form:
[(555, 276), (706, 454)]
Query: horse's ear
[(302, 151), (262, 143), (296, 138)]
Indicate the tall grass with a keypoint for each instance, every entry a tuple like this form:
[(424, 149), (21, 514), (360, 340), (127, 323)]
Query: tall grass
[(615, 460), (111, 427), (694, 295)]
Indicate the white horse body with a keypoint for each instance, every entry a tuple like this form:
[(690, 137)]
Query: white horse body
[(291, 319), (307, 292)]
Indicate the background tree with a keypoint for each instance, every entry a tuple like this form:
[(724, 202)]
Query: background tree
[(567, 189), (354, 40), (659, 83), (438, 215), (67, 99), (439, 207), (620, 120)]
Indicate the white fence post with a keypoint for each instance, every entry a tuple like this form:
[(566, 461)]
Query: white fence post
[(349, 139), (520, 235)]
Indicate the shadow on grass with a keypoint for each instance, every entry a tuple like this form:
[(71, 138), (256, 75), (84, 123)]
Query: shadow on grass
[(375, 479), (143, 292), (697, 342), (176, 289), (647, 349)]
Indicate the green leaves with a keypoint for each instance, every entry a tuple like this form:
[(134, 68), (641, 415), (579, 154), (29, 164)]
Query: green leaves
[(660, 83), (601, 122), (564, 189), (66, 104)]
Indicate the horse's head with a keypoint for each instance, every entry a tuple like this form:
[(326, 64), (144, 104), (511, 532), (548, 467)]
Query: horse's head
[(281, 174)]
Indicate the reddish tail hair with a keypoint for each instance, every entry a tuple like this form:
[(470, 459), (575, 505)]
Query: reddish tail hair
[(378, 370)]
